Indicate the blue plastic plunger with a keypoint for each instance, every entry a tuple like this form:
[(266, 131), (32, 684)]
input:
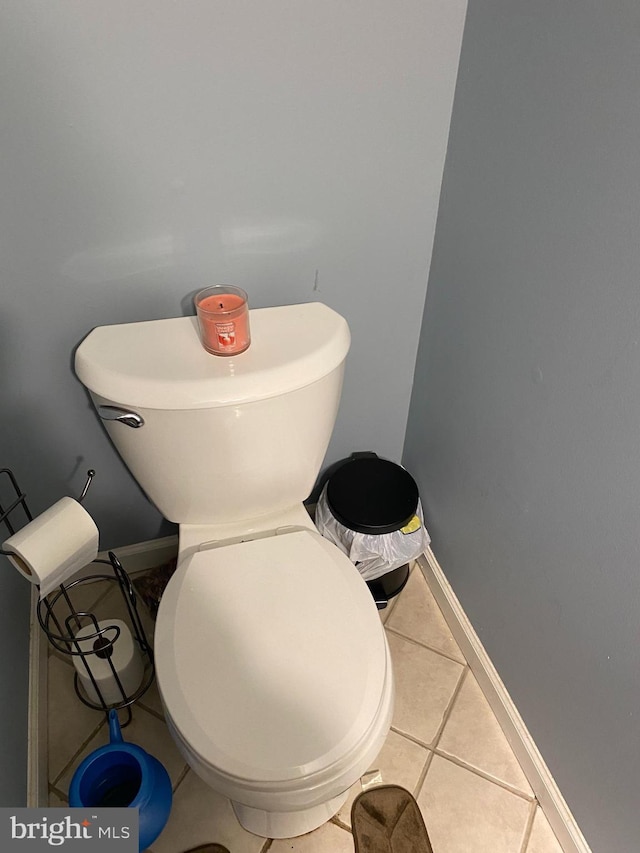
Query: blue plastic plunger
[(123, 774)]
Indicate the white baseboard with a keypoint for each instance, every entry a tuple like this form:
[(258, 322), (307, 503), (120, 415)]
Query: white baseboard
[(135, 559), (544, 787), (37, 744)]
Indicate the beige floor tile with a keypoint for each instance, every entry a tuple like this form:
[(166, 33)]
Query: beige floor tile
[(199, 815), (66, 659), (151, 699), (388, 610), (56, 802), (542, 839), (147, 732), (400, 762), (113, 606), (425, 682), (70, 722), (83, 596), (473, 735), (416, 615), (329, 838), (464, 812)]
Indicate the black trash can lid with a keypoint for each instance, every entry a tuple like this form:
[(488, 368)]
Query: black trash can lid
[(372, 495)]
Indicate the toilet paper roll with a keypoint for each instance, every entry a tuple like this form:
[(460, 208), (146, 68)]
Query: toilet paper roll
[(126, 658), (55, 545)]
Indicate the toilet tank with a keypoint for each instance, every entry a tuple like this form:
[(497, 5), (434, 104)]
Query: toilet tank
[(216, 439)]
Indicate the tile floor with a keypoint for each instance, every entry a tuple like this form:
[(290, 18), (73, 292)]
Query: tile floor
[(445, 746)]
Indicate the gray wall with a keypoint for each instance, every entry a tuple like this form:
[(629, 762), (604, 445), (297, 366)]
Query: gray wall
[(524, 427), (150, 148)]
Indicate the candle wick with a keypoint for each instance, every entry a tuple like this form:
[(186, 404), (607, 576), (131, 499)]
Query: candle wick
[(221, 305)]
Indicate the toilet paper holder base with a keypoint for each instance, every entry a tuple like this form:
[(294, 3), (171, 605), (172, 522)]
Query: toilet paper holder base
[(61, 633), (61, 620)]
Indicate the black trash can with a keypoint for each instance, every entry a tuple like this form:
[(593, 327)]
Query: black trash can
[(372, 496)]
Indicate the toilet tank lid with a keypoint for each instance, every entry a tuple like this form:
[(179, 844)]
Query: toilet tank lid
[(161, 364)]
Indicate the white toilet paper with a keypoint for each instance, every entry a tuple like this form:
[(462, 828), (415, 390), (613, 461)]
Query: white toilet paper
[(55, 545), (126, 658)]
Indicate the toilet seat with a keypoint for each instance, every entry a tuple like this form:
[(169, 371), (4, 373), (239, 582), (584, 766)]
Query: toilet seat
[(270, 657)]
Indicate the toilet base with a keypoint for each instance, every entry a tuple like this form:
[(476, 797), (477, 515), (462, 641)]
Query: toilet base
[(287, 824)]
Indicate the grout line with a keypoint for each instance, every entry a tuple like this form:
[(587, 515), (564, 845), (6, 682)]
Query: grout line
[(151, 712), (336, 820), (526, 837), (140, 703), (445, 717), (54, 653), (181, 778), (84, 744), (425, 646), (528, 798), (431, 747), (183, 773), (412, 738), (58, 793), (423, 775), (449, 709), (109, 586)]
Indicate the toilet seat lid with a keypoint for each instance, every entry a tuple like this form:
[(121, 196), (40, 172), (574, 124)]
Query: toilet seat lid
[(270, 656)]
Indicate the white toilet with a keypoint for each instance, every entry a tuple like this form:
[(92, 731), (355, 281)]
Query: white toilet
[(271, 660)]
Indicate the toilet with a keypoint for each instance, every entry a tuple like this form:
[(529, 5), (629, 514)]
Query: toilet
[(271, 660)]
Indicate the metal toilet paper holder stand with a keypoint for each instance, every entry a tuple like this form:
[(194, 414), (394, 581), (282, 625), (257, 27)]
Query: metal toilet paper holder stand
[(61, 627)]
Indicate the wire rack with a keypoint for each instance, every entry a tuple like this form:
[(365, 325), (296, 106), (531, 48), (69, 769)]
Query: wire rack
[(61, 620)]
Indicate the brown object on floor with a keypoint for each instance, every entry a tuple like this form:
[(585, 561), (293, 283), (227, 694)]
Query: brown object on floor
[(151, 585), (386, 819), (208, 848)]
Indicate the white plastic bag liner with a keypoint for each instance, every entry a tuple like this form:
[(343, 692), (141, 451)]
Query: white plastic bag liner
[(373, 555)]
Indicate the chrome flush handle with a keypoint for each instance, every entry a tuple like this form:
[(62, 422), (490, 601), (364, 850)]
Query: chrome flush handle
[(113, 413)]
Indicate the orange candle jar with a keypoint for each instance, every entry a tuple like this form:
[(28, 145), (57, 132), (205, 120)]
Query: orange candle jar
[(223, 318)]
